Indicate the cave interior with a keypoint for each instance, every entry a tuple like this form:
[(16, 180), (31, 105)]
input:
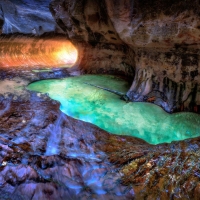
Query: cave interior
[(99, 100)]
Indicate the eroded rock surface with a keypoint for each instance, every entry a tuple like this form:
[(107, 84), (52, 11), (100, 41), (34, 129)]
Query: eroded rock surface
[(88, 25), (48, 155), (166, 171), (158, 41), (28, 17)]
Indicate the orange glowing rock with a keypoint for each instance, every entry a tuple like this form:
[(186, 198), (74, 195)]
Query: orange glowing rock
[(24, 52)]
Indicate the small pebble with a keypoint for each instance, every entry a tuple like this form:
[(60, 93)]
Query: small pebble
[(4, 163)]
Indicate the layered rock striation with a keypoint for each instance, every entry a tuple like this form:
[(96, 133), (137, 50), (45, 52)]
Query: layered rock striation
[(88, 25), (154, 42), (27, 17)]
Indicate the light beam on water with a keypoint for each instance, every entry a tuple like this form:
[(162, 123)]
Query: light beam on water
[(55, 137)]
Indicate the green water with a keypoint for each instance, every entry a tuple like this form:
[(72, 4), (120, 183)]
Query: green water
[(104, 109), (41, 70)]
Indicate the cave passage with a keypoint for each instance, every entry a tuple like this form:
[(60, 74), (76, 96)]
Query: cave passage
[(106, 110), (36, 53)]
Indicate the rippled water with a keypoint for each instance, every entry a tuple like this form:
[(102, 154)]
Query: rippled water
[(109, 112)]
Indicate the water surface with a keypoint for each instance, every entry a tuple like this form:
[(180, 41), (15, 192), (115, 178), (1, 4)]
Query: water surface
[(106, 110)]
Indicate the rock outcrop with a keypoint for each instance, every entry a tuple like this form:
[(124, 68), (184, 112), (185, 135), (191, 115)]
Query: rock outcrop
[(52, 156), (48, 155), (27, 17), (154, 42), (88, 25)]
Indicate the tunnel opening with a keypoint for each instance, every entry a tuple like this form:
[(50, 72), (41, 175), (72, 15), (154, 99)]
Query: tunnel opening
[(26, 52)]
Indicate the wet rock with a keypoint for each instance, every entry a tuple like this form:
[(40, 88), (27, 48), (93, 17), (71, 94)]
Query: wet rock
[(166, 170), (28, 17), (86, 162), (75, 170)]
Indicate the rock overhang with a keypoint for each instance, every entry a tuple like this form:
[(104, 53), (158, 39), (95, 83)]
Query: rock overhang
[(159, 40)]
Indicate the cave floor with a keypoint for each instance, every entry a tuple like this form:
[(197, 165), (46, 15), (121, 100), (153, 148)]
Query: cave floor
[(88, 162)]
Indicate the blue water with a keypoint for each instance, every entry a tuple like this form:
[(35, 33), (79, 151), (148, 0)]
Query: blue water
[(106, 110)]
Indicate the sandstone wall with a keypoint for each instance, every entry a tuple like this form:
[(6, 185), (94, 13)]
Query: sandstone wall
[(165, 36), (155, 41), (27, 17), (88, 25)]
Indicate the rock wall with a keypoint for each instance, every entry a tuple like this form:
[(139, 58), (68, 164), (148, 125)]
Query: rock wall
[(156, 42), (88, 25), (27, 17)]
